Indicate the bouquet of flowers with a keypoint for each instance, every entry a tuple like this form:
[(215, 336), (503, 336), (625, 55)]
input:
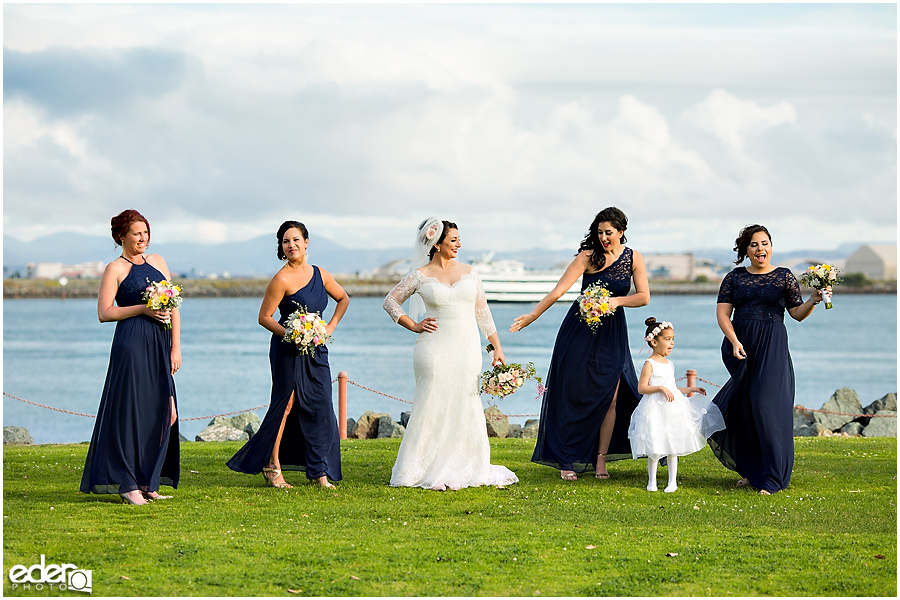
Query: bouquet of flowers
[(593, 303), (305, 330), (160, 295), (503, 380), (819, 277)]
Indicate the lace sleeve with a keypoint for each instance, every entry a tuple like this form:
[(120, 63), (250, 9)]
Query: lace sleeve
[(482, 312), (792, 295), (400, 294), (726, 290)]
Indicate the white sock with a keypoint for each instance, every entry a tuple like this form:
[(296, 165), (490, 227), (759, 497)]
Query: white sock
[(652, 463), (673, 473)]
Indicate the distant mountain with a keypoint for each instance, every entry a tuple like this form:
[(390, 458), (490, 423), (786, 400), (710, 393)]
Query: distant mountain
[(250, 258), (256, 257)]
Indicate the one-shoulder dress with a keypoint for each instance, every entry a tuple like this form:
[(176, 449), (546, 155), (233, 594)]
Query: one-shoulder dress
[(585, 369), (310, 441), (757, 401), (133, 447)]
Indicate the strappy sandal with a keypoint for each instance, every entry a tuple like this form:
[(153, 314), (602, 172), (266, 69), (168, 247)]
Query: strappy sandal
[(743, 482), (602, 475), (323, 481), (571, 476), (151, 496), (276, 473), (765, 493)]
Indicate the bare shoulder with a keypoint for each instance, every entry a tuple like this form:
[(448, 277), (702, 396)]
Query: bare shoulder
[(466, 269), (156, 260), (117, 267)]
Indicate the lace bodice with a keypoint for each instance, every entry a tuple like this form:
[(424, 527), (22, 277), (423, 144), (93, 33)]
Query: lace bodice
[(760, 297), (131, 290), (616, 277), (441, 297)]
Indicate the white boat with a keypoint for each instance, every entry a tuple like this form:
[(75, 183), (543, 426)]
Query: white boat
[(510, 281)]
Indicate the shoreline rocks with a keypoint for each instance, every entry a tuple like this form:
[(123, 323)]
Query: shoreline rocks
[(858, 422), (16, 436)]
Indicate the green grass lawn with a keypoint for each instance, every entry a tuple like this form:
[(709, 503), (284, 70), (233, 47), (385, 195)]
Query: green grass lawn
[(833, 533)]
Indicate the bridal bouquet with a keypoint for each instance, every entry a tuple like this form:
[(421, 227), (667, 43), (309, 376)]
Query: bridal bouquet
[(593, 304), (819, 277), (503, 380), (305, 330), (162, 295)]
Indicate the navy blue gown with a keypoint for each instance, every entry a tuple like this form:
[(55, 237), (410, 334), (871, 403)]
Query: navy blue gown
[(757, 401), (311, 440), (133, 447), (585, 369)]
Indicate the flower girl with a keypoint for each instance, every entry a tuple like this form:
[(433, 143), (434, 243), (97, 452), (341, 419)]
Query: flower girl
[(666, 422)]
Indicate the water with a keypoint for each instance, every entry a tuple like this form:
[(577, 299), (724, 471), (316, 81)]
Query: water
[(56, 353)]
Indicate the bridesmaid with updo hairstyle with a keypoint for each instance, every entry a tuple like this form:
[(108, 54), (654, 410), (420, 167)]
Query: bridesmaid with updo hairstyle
[(757, 401), (300, 430), (134, 447)]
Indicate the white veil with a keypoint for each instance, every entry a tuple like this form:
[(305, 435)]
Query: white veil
[(427, 234)]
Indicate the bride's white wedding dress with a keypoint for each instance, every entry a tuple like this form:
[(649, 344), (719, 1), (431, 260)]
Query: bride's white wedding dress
[(446, 441)]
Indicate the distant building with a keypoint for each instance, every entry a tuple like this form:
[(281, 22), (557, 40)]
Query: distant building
[(680, 267), (46, 270), (875, 261)]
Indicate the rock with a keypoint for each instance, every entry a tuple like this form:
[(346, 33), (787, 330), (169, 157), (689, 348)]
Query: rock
[(819, 430), (497, 423), (221, 433), (882, 427), (888, 402), (251, 428), (514, 430), (16, 436), (844, 400), (351, 423), (387, 428), (238, 422), (852, 428), (803, 420), (367, 426), (404, 418), (530, 430)]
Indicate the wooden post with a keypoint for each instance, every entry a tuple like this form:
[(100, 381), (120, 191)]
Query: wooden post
[(342, 403), (691, 375)]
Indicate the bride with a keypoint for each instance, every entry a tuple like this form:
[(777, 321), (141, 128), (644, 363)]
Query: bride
[(445, 444)]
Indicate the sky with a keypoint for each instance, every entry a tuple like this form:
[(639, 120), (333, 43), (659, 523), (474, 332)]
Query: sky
[(517, 121)]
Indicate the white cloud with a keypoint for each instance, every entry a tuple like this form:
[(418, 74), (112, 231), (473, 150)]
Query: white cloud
[(520, 120), (733, 120)]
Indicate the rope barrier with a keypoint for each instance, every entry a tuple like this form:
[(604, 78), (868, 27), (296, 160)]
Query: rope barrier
[(359, 385)]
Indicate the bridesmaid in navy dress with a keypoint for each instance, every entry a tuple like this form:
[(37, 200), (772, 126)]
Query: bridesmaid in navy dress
[(134, 447), (757, 402), (299, 431), (592, 386)]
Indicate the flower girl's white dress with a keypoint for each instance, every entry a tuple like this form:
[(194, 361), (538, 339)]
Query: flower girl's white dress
[(446, 441), (662, 428)]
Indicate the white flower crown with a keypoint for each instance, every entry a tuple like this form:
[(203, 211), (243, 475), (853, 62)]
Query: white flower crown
[(657, 330)]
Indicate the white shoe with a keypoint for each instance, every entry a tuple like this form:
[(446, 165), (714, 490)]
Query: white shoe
[(671, 488), (651, 488)]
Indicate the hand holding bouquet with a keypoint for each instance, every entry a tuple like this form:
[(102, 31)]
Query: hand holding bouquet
[(593, 304), (305, 330), (162, 295), (819, 277), (503, 380)]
